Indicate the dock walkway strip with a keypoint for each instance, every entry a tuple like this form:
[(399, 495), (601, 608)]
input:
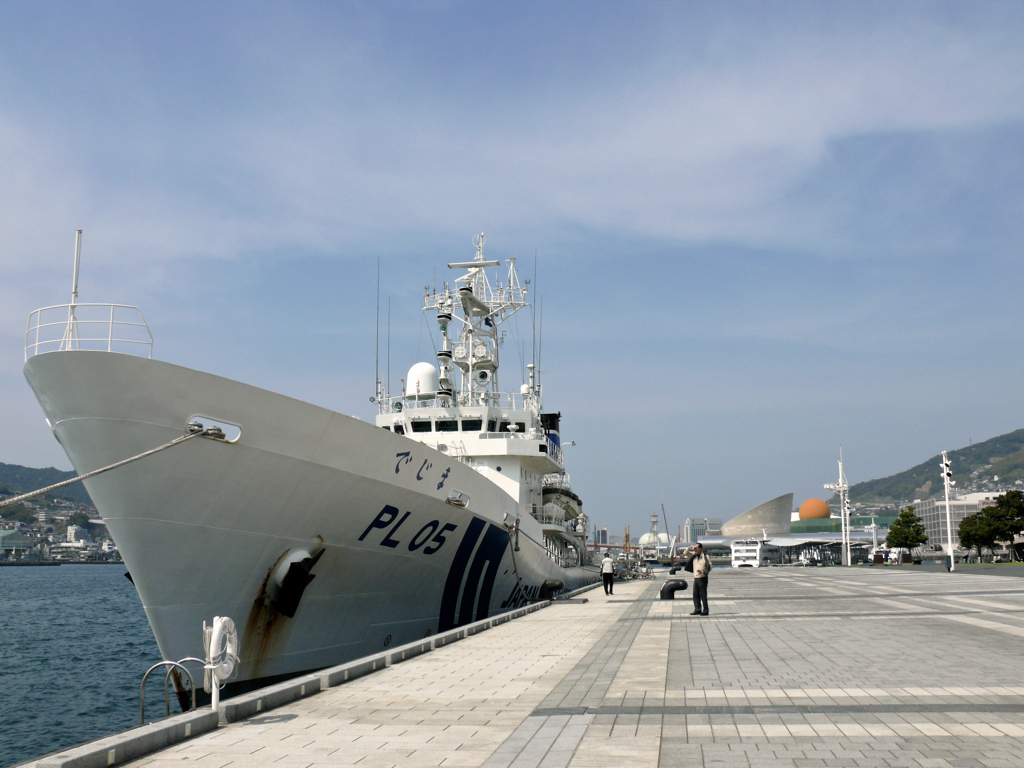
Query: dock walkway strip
[(784, 673)]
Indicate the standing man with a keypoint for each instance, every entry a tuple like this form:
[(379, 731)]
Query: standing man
[(607, 572), (701, 568)]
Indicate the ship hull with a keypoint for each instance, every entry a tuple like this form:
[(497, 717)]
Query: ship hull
[(205, 525)]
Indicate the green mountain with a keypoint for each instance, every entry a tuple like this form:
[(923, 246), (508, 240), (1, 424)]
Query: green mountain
[(24, 479), (973, 469)]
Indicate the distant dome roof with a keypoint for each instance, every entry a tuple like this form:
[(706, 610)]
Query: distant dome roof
[(647, 540), (814, 509)]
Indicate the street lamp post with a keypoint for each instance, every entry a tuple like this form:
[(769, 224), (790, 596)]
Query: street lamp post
[(843, 489), (947, 475)]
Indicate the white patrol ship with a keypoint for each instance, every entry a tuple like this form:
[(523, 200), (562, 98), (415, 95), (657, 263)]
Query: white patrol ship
[(324, 537)]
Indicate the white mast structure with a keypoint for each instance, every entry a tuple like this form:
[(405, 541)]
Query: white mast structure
[(475, 350), (947, 481), (843, 489), (70, 340)]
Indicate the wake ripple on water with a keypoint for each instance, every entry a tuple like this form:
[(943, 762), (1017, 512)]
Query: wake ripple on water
[(74, 645)]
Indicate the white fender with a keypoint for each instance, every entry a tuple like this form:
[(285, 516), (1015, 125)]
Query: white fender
[(223, 654)]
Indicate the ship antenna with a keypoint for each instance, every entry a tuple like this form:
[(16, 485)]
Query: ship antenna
[(389, 344), (376, 383), (533, 308), (430, 334), (540, 339)]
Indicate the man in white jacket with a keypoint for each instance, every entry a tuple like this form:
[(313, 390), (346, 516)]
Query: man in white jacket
[(607, 573)]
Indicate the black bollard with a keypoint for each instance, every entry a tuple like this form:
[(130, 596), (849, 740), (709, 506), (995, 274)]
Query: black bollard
[(549, 587), (673, 570), (668, 589)]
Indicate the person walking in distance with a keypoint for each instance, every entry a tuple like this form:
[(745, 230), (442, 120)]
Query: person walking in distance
[(701, 568), (607, 572)]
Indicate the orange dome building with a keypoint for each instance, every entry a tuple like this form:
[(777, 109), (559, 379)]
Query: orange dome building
[(814, 509)]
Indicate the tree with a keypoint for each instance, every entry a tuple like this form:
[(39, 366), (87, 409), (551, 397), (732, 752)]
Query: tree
[(973, 533), (18, 513), (1001, 521), (967, 534), (906, 531), (1006, 517), (78, 518)]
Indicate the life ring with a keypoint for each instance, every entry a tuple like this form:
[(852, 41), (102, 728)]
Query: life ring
[(223, 653)]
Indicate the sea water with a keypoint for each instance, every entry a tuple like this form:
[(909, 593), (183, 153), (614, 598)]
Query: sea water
[(74, 646)]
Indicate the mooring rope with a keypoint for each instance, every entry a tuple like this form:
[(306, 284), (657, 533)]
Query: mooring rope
[(23, 497)]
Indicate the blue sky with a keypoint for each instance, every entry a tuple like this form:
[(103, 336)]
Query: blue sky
[(762, 230)]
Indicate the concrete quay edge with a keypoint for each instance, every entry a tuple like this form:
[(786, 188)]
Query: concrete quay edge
[(133, 743), (138, 742)]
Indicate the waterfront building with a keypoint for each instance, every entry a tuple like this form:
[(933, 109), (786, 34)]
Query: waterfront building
[(13, 541), (600, 537), (695, 529), (933, 514), (835, 524), (76, 533)]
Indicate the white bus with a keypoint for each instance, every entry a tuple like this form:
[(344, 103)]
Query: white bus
[(753, 553)]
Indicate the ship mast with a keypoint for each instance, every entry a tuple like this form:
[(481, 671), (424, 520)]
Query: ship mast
[(70, 340), (474, 350)]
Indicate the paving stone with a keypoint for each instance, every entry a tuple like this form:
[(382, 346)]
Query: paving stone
[(796, 667)]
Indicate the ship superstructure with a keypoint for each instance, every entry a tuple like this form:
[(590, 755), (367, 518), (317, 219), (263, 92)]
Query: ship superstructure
[(459, 408)]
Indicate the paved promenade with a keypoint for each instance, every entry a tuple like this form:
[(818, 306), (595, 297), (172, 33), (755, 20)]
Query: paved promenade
[(795, 667)]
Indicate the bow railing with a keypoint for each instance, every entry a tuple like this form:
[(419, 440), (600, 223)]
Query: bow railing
[(98, 327)]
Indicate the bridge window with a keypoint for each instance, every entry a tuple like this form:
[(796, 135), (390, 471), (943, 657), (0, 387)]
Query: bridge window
[(491, 424), (472, 425), (421, 426), (399, 429), (446, 425), (504, 426)]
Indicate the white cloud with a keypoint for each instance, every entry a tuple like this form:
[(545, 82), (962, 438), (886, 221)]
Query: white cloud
[(274, 136), (338, 148)]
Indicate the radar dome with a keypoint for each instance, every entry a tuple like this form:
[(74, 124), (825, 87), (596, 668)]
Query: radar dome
[(814, 509), (422, 382)]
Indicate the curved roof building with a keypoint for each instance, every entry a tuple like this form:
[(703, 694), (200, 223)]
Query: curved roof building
[(771, 518)]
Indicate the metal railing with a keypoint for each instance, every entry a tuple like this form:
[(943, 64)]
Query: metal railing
[(515, 401), (172, 666), (98, 327), (557, 480), (553, 450)]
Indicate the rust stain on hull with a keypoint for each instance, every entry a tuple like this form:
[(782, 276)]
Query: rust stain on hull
[(181, 690), (261, 627), (267, 630)]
